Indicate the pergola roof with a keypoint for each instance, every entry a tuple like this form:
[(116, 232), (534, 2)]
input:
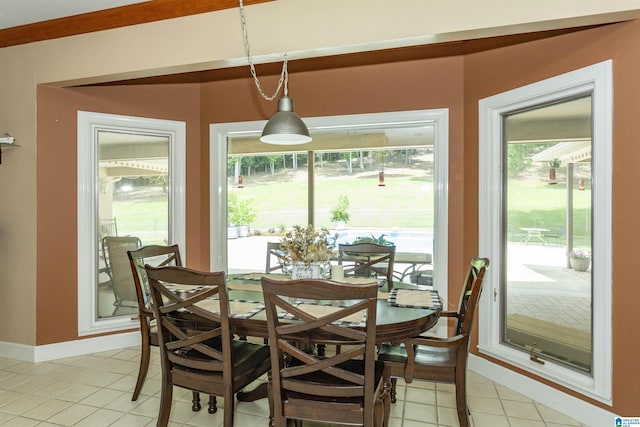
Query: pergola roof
[(566, 152)]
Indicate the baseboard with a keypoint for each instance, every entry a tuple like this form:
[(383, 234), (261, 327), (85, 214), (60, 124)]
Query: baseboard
[(586, 413), (60, 350)]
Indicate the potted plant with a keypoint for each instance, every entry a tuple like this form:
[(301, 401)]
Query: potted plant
[(340, 214), (580, 259), (307, 250), (241, 214), (380, 240)]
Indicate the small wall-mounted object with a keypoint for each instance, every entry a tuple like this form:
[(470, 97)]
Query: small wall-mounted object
[(6, 140)]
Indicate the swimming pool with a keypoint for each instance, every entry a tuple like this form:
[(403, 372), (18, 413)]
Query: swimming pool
[(404, 240)]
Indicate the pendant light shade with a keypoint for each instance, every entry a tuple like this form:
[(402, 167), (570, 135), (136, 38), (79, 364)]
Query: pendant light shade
[(285, 127)]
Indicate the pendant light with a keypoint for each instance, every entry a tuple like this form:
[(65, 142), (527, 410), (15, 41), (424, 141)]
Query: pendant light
[(285, 127)]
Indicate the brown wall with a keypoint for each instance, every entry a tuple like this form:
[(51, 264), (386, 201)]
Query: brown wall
[(57, 318), (456, 83), (499, 70), (414, 85)]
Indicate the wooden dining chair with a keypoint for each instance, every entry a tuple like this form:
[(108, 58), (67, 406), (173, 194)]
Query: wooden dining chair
[(158, 256), (275, 254), (345, 388), (368, 260), (197, 349), (440, 359), (117, 267)]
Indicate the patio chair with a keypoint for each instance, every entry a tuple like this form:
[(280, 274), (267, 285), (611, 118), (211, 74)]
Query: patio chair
[(108, 227), (118, 268), (557, 236), (440, 359)]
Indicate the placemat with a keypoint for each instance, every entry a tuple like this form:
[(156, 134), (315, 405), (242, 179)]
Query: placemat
[(414, 298), (359, 280), (356, 319), (259, 276), (255, 287), (184, 288), (238, 309)]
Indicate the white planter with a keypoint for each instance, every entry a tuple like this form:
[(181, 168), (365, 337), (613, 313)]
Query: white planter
[(243, 231), (232, 232), (300, 270), (579, 264)]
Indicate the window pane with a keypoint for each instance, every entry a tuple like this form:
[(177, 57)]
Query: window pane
[(388, 196), (548, 222), (133, 203), (385, 176)]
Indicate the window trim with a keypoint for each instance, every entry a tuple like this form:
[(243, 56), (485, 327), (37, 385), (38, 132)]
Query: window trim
[(89, 123), (218, 164), (595, 79)]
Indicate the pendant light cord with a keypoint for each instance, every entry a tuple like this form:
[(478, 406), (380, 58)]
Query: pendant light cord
[(284, 75)]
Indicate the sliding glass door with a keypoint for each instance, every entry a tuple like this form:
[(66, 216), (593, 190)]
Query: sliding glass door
[(382, 176)]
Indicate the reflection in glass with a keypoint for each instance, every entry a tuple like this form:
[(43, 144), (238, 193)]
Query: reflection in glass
[(133, 210), (547, 306)]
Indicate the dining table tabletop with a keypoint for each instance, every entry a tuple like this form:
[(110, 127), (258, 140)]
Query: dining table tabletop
[(404, 312)]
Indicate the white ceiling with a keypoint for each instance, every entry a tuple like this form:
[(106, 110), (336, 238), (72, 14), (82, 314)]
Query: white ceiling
[(20, 12)]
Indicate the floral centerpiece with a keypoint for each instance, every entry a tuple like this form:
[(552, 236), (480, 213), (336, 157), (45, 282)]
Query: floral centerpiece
[(307, 249), (579, 259)]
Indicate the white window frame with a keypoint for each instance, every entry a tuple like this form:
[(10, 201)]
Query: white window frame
[(439, 117), (89, 124), (597, 80)]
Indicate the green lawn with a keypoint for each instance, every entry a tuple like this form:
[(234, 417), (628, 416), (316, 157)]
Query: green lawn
[(404, 202), (542, 205)]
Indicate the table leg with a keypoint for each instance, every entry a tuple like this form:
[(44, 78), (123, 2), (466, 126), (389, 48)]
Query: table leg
[(260, 392)]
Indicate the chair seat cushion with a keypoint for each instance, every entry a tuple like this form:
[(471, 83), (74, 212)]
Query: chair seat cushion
[(247, 358), (321, 379), (425, 355)]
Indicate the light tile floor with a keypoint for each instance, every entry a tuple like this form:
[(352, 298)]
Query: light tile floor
[(95, 390)]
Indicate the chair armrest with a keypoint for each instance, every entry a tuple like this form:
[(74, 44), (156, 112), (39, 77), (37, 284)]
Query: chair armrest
[(412, 344), (438, 342), (449, 314)]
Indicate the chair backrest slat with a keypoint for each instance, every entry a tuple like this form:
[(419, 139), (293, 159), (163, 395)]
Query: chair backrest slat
[(157, 256), (274, 253), (185, 329), (325, 312), (470, 295), (368, 260)]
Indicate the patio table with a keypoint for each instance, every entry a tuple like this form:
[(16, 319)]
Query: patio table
[(534, 233)]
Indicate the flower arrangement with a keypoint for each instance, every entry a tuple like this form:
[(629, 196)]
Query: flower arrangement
[(579, 253), (308, 245)]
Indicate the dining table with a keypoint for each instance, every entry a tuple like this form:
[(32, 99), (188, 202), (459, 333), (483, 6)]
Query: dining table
[(404, 312)]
